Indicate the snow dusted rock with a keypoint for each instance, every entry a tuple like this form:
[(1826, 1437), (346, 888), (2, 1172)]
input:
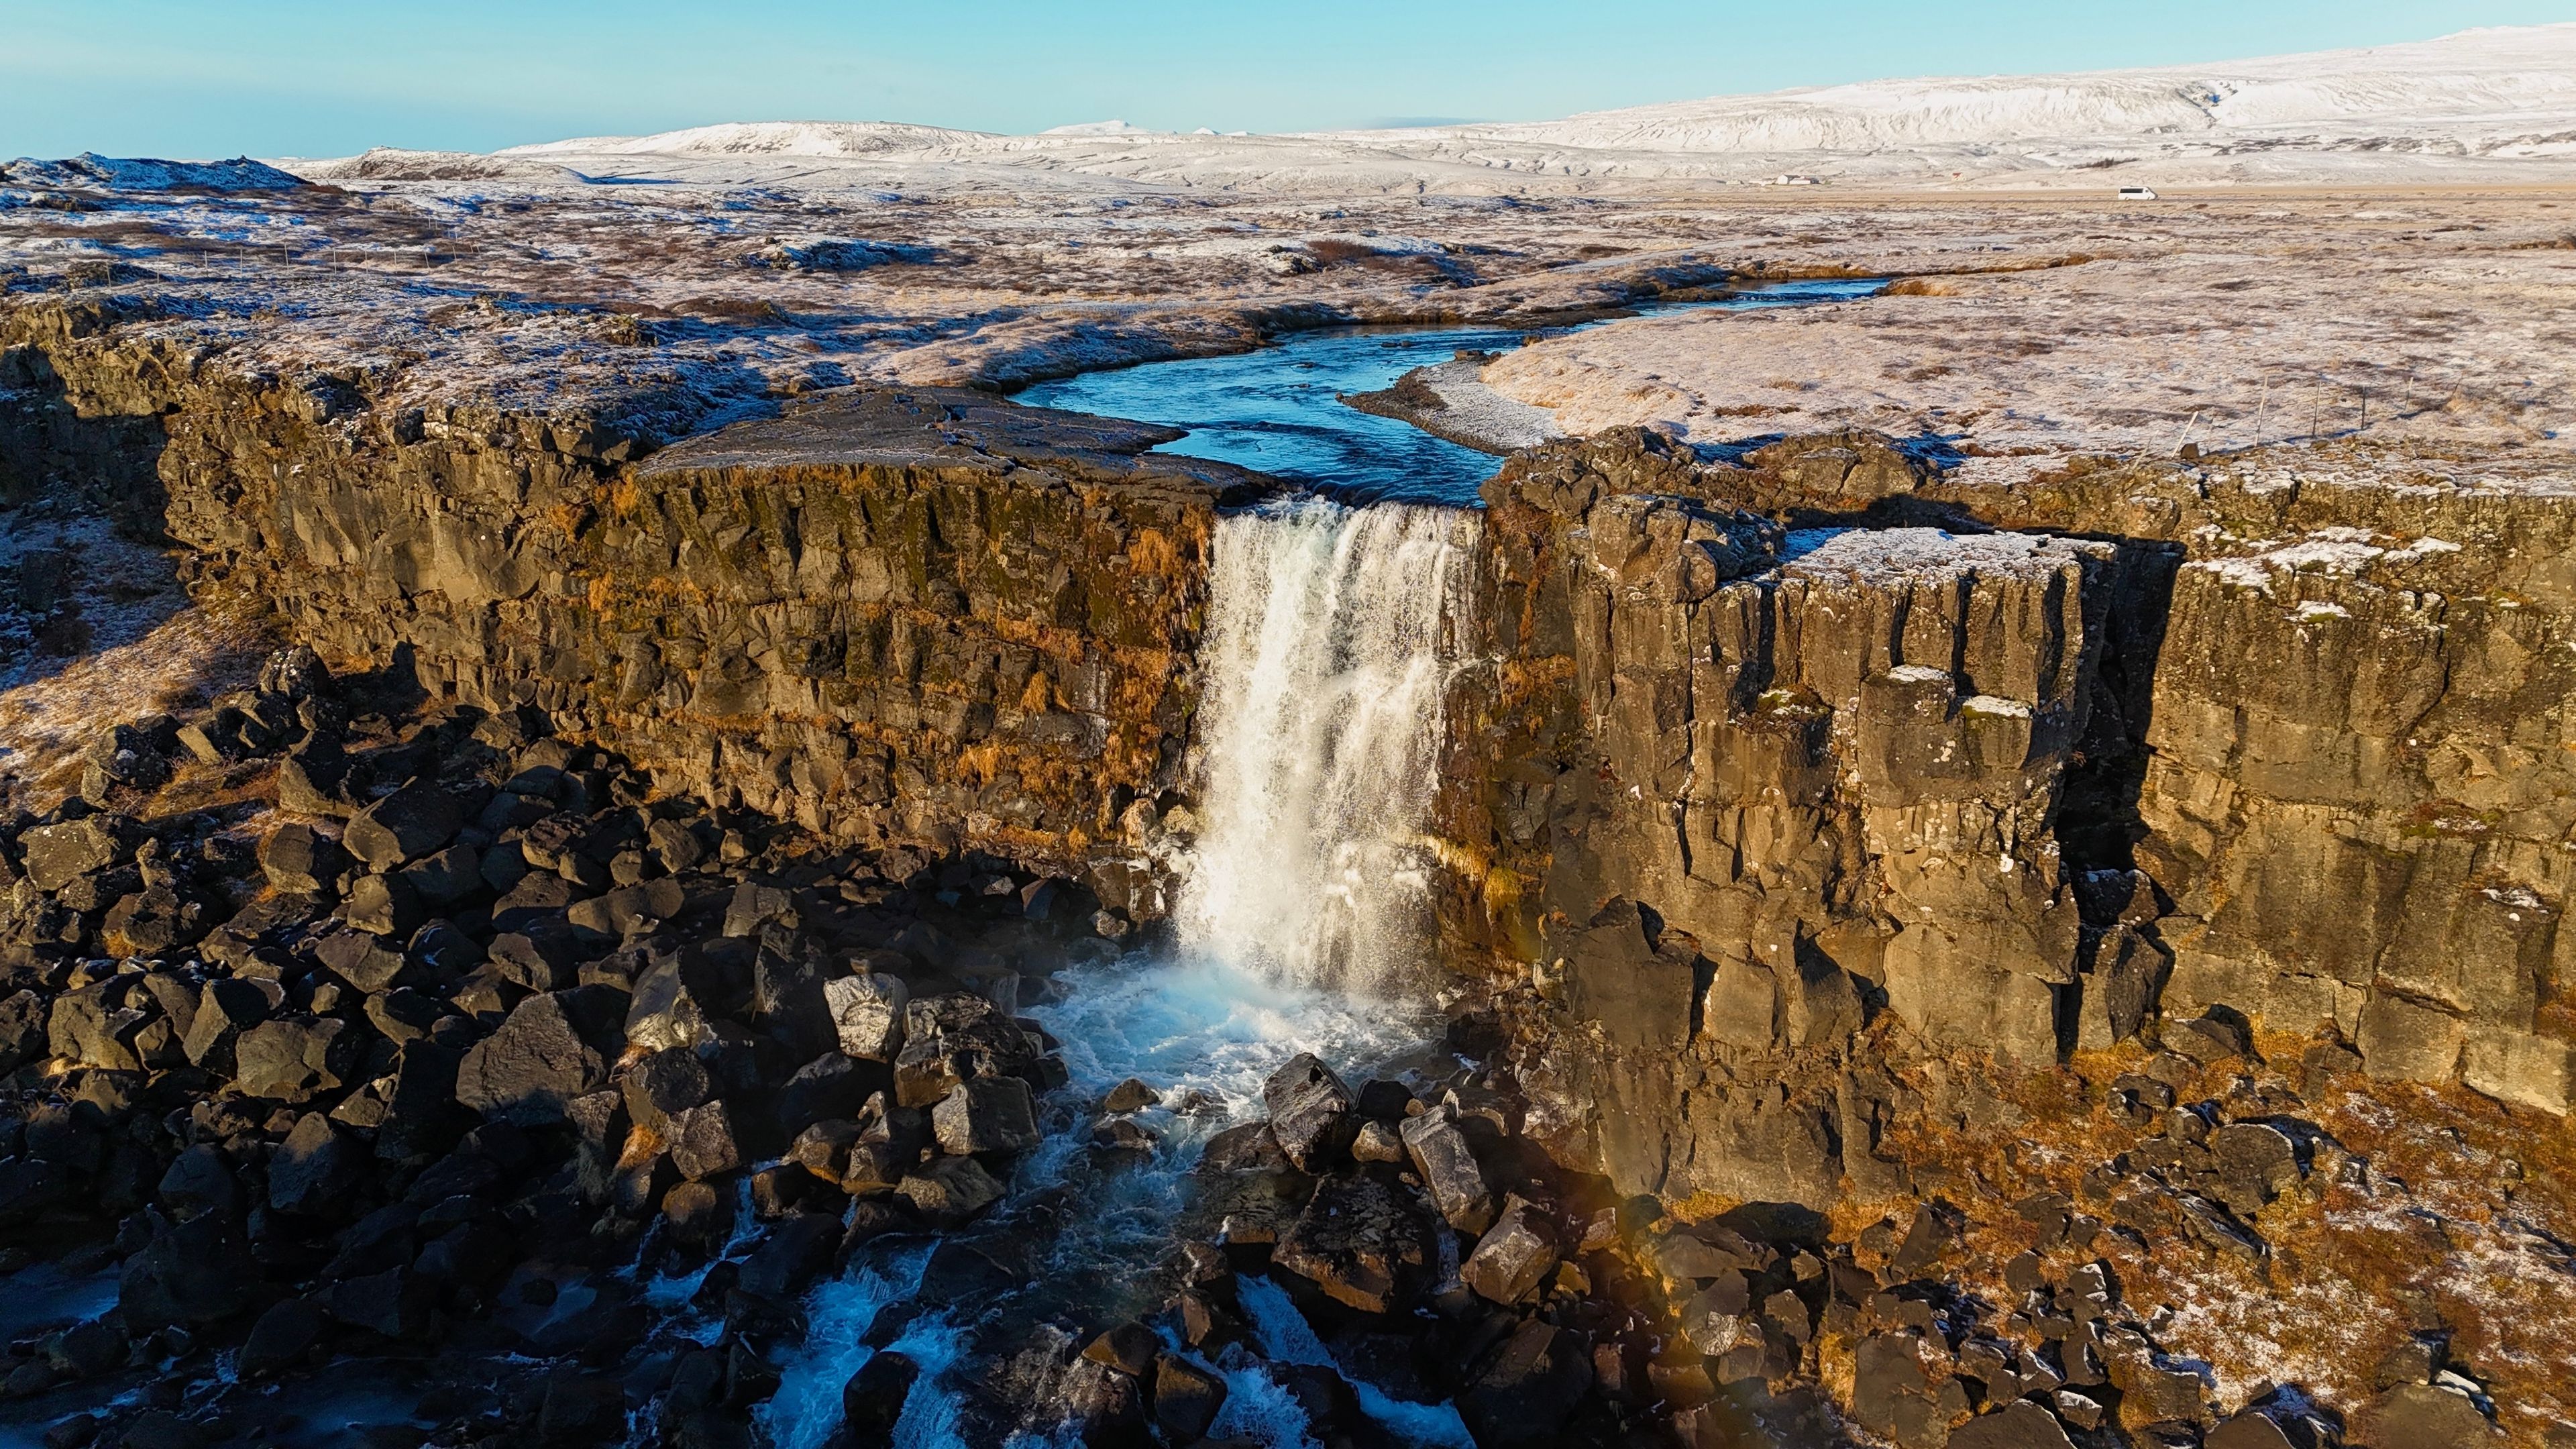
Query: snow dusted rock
[(2018, 1425), (1449, 1171), (950, 1190), (1377, 1142), (867, 1012), (702, 1141), (1514, 1256), (90, 171), (2421, 1414), (986, 1114)]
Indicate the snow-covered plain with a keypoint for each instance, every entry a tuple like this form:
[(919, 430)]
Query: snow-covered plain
[(2492, 106)]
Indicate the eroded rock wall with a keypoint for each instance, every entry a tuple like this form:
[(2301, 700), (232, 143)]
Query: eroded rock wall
[(1793, 774), (2359, 797), (918, 616), (1738, 789)]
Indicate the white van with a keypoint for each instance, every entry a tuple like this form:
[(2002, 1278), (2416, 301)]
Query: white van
[(2137, 193)]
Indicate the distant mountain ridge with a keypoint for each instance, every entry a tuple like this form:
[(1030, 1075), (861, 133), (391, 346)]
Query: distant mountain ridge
[(2483, 106)]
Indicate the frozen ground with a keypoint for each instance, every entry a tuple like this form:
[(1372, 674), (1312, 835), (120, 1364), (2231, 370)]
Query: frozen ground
[(2022, 329), (2444, 328)]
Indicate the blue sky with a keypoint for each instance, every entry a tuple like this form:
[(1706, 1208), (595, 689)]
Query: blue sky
[(304, 77)]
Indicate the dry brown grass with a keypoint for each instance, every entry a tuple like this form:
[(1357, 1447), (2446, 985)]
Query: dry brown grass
[(2454, 1201)]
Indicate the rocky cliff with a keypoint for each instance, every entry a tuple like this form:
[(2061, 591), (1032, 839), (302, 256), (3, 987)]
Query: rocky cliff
[(920, 616), (1793, 769)]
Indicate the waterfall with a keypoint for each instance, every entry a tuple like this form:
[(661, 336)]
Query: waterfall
[(1332, 633), (1330, 639)]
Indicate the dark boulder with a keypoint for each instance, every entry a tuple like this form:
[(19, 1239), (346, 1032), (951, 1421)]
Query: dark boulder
[(787, 1001), (421, 1112), (198, 1181), (155, 921), (666, 1082), (1130, 1095), (1128, 1347), (792, 1254), (90, 1026), (539, 1060), (623, 912), (444, 877), (698, 1215), (367, 963), (2420, 1416), (702, 1142), (393, 1303), (867, 1014), (1525, 1390), (580, 1409), (301, 861), (30, 1187), (2019, 1425), (294, 1059), (223, 1012), (313, 1169), (949, 1191), (316, 778), (1514, 1257), (831, 1085), (281, 1337), (1312, 1114), (675, 1001), (382, 905), (1359, 1241), (22, 1029), (1187, 1399), (56, 855), (403, 826), (986, 1114), (536, 959), (191, 1273), (2252, 1429), (1449, 1171), (873, 1398)]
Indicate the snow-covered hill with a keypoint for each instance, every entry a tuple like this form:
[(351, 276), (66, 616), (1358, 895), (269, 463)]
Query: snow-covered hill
[(2495, 106), (2478, 81)]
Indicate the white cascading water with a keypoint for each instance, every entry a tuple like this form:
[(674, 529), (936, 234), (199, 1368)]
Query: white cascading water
[(1331, 636), (1329, 642)]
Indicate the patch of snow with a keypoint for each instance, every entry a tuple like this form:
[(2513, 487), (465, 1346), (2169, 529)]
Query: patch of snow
[(1995, 704), (90, 171), (1882, 555), (1108, 128)]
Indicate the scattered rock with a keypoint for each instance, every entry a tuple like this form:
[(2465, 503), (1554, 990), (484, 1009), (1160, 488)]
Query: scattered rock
[(1130, 1095), (1312, 1115)]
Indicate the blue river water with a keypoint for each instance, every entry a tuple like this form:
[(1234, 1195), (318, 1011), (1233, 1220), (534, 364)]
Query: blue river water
[(1276, 410)]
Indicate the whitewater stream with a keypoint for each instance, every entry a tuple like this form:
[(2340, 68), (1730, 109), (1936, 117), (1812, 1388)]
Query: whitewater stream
[(1303, 915)]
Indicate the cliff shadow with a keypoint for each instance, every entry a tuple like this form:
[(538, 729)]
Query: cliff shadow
[(2098, 820), (96, 621)]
